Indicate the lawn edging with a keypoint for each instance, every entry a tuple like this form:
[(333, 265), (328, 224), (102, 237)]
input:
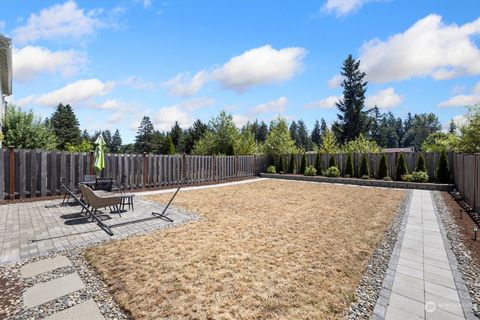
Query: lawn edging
[(363, 182)]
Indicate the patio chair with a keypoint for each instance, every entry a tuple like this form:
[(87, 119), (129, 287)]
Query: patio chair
[(127, 198), (105, 184), (66, 189), (100, 201)]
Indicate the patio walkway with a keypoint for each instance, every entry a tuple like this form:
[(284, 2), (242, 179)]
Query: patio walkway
[(423, 281)]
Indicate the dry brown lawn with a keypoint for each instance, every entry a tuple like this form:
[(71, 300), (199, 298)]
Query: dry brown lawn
[(265, 250)]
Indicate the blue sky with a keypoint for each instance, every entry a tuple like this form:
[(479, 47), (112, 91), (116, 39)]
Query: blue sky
[(180, 60)]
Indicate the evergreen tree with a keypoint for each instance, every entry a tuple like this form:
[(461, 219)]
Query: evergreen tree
[(116, 142), (318, 163), (383, 167), (193, 134), (443, 171), (65, 125), (303, 136), (352, 119), (294, 134), (303, 164), (107, 137), (281, 165), (316, 134), (376, 118), (421, 164), (364, 167), (401, 167), (158, 143), (452, 127), (292, 165), (143, 139), (421, 127), (349, 166), (86, 136), (262, 132), (323, 126), (176, 134), (168, 147), (332, 162), (278, 139), (408, 139)]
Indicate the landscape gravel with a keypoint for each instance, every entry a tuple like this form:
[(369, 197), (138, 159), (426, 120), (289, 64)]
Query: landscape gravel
[(370, 285), (470, 272)]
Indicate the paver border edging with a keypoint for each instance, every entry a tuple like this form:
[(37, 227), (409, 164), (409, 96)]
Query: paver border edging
[(363, 182), (462, 289), (384, 297)]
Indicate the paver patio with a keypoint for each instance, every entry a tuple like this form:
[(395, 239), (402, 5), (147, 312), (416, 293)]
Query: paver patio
[(423, 281)]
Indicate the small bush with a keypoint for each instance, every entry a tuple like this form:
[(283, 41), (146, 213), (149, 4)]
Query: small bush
[(349, 171), (310, 171), (419, 176), (406, 177), (383, 167), (318, 162), (443, 172), (365, 177), (387, 178), (303, 163), (292, 165), (364, 167), (332, 162), (332, 172), (421, 164), (401, 167), (271, 169), (281, 165)]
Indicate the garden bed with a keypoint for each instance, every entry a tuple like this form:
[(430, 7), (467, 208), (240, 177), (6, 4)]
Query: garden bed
[(363, 182), (271, 249)]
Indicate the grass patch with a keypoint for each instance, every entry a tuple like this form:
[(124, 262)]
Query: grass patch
[(269, 249)]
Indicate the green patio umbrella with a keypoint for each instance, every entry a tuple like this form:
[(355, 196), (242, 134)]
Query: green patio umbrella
[(99, 163)]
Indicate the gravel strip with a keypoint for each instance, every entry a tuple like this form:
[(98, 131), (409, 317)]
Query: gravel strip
[(13, 286), (470, 272), (368, 290)]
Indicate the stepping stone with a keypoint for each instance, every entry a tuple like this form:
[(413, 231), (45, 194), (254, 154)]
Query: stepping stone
[(42, 266), (85, 310), (54, 289)]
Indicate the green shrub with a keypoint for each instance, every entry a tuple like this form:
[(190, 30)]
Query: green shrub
[(364, 167), (421, 164), (406, 177), (443, 171), (419, 176), (292, 165), (383, 167), (332, 162), (401, 167), (349, 171), (365, 177), (387, 178), (332, 172), (271, 169), (303, 163), (281, 165), (318, 162), (310, 171)]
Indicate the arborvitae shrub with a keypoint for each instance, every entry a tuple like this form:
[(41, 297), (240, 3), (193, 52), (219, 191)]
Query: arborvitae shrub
[(318, 163), (383, 167), (332, 162), (401, 167), (364, 167), (421, 164), (271, 169), (303, 164), (443, 172), (349, 166), (332, 172), (310, 171), (292, 165), (281, 166)]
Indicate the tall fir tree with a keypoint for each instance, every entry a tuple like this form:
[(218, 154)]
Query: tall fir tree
[(262, 132), (352, 119), (107, 137), (303, 136), (116, 143), (176, 133), (316, 134), (144, 137), (193, 134), (65, 125), (452, 127)]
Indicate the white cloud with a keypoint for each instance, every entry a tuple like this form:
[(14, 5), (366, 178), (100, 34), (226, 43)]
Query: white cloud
[(77, 92), (386, 98), (259, 66), (240, 120), (342, 8), (460, 120), (59, 21), (335, 81), (462, 100), (428, 48), (31, 61), (327, 103), (165, 118), (137, 83), (2, 25), (115, 118), (277, 106)]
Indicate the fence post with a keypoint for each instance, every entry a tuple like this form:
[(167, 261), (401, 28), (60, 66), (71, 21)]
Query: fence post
[(145, 168), (254, 165), (91, 163), (12, 172), (236, 166), (184, 167), (214, 168)]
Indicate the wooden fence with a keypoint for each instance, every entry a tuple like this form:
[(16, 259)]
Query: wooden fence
[(37, 173), (467, 178)]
